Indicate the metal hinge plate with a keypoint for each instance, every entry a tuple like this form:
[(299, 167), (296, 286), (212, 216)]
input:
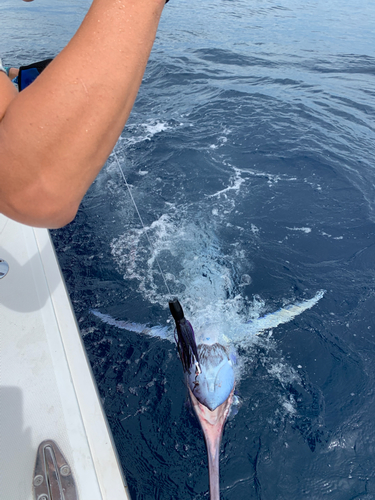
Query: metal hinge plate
[(53, 479)]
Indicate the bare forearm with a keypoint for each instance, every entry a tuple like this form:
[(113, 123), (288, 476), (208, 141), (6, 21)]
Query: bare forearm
[(57, 134)]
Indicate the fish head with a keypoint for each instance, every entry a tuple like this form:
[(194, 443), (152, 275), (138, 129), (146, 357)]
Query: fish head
[(212, 380)]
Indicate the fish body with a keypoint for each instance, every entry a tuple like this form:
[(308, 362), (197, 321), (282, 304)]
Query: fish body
[(208, 367)]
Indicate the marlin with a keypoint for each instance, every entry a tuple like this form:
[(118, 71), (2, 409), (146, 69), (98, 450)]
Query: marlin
[(209, 368), (210, 380)]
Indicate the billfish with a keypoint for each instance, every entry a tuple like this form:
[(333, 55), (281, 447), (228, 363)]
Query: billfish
[(209, 368), (210, 380)]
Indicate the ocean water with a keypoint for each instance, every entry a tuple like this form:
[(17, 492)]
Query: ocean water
[(250, 155)]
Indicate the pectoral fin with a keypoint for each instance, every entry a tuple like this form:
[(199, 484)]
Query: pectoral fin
[(155, 331), (275, 319)]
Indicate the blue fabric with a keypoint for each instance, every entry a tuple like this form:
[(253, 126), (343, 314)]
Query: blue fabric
[(28, 76)]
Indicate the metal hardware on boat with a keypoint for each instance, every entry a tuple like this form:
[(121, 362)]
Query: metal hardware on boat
[(53, 478), (65, 471), (38, 480), (4, 268)]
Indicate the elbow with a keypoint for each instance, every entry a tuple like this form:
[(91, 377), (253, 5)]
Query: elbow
[(40, 211), (58, 213), (56, 217)]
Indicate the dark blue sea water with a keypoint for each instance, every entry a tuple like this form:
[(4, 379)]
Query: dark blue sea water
[(251, 156)]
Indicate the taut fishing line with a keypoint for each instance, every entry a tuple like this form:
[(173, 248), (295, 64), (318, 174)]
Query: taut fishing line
[(143, 226), (185, 337)]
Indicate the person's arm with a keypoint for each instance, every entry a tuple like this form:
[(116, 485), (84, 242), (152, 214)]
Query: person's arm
[(56, 135)]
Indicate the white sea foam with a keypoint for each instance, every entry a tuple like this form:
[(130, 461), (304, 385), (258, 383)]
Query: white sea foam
[(330, 236), (202, 277), (306, 230), (134, 256), (155, 128), (271, 178), (235, 184), (254, 229), (143, 132)]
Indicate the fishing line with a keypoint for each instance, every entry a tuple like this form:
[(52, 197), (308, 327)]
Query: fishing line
[(184, 333), (144, 227)]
